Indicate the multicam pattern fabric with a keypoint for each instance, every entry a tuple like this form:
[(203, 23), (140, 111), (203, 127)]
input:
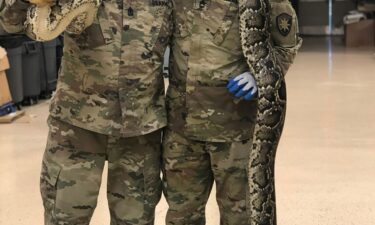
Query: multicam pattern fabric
[(209, 131), (72, 171), (191, 167), (206, 52), (266, 28), (111, 77), (13, 15)]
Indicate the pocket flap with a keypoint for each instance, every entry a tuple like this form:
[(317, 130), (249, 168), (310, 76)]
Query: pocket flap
[(50, 173)]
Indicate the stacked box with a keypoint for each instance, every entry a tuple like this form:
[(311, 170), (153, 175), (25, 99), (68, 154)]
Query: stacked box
[(360, 34), (5, 96)]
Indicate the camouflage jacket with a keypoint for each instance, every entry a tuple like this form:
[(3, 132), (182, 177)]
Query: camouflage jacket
[(111, 77), (206, 52)]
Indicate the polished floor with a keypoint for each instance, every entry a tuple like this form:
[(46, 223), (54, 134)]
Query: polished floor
[(326, 159)]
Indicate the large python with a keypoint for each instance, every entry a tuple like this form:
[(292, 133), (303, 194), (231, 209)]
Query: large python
[(258, 48), (45, 21)]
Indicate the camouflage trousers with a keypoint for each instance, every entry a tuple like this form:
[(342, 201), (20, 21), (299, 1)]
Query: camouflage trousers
[(191, 167), (72, 171)]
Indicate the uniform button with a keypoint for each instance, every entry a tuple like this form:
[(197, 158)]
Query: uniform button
[(114, 30), (126, 27), (146, 55), (162, 40), (120, 4), (202, 4), (130, 11), (154, 29)]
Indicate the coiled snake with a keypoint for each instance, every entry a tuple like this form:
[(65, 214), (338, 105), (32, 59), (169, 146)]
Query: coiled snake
[(255, 22), (47, 21)]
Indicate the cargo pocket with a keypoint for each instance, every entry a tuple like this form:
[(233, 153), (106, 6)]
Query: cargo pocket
[(151, 173), (48, 185), (216, 115)]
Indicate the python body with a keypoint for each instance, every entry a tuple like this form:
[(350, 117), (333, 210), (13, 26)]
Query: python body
[(46, 21), (255, 22)]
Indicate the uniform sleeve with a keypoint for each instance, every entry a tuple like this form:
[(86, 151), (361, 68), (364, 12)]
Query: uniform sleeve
[(284, 33), (13, 15)]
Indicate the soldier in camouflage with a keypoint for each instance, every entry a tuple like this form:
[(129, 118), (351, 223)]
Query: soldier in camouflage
[(208, 137), (109, 105)]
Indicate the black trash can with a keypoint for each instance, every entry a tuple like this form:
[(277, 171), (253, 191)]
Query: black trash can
[(49, 61), (32, 69), (13, 46)]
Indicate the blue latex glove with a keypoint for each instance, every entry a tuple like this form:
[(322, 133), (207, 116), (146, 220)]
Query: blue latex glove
[(243, 85)]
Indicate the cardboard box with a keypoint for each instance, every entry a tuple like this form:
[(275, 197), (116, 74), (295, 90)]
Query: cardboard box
[(361, 34), (5, 96)]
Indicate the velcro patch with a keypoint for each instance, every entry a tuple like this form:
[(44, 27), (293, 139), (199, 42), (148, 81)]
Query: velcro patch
[(284, 23)]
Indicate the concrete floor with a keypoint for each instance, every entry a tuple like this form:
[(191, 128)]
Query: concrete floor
[(326, 159)]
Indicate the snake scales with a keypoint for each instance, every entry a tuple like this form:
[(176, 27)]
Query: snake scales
[(255, 22), (46, 22)]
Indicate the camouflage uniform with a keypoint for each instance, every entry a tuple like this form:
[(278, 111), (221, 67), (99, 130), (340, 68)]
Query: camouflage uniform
[(109, 104), (209, 131), (72, 169), (208, 134)]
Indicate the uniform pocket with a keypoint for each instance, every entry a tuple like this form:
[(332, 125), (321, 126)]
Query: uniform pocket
[(285, 56), (221, 15), (48, 184), (284, 24), (216, 115), (284, 32), (94, 36)]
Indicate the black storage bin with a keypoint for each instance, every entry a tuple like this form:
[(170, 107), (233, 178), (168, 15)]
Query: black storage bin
[(59, 51), (49, 60), (31, 66), (13, 46), (12, 41)]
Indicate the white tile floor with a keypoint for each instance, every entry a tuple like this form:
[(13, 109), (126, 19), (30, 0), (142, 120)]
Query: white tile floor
[(326, 159)]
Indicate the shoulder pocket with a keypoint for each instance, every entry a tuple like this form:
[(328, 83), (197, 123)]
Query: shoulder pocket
[(285, 56), (284, 32), (284, 23)]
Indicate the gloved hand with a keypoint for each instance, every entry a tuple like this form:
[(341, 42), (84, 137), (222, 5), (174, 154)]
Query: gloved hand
[(243, 85)]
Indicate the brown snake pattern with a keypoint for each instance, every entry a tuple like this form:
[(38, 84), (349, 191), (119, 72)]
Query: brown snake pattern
[(258, 50), (44, 23)]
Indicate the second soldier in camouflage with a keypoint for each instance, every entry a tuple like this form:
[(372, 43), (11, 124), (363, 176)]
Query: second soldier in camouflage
[(209, 132)]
